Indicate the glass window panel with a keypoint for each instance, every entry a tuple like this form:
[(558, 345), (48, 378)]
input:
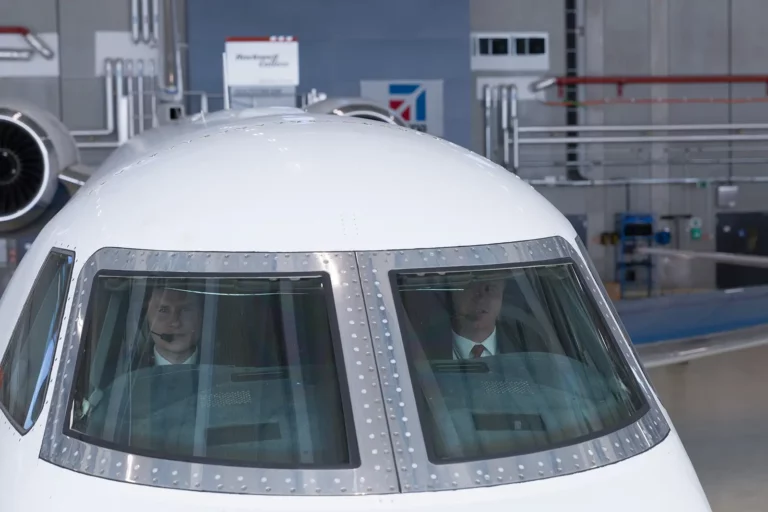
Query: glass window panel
[(521, 46), (26, 366), (500, 46), (229, 370), (484, 46), (537, 46), (511, 361)]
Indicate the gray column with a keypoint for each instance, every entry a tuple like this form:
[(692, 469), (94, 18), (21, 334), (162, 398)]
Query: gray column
[(599, 216), (659, 46)]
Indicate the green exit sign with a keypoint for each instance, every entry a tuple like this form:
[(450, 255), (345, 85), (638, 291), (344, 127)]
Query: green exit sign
[(695, 233)]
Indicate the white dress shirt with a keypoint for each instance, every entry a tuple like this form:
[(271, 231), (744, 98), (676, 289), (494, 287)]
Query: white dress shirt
[(161, 361), (462, 346)]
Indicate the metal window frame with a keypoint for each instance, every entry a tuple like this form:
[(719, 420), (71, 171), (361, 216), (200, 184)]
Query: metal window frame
[(57, 330), (374, 475), (391, 447), (416, 472)]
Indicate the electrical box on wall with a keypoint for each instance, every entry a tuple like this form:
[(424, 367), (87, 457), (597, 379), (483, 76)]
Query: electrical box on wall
[(726, 196), (509, 51)]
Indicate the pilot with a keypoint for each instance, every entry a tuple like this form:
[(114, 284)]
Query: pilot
[(477, 327), (174, 321), (173, 327), (476, 309)]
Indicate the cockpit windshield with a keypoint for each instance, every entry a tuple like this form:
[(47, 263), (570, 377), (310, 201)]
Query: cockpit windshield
[(510, 361), (337, 373), (234, 370)]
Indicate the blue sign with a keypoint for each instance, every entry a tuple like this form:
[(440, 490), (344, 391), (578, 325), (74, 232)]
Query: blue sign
[(410, 101), (418, 102)]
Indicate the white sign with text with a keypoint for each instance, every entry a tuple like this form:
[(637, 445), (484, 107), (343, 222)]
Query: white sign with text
[(259, 62)]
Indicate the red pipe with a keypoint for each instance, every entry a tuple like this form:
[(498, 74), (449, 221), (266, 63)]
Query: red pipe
[(653, 101), (22, 31), (621, 81), (34, 41)]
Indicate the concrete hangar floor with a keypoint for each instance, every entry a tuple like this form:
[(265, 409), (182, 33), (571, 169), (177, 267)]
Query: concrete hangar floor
[(720, 409)]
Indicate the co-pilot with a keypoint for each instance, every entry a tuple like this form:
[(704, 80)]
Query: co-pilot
[(174, 320)]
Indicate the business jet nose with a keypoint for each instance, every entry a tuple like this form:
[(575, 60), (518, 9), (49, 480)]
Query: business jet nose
[(326, 375)]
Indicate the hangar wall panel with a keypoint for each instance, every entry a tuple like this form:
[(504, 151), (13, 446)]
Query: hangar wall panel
[(749, 55), (345, 41), (82, 90), (76, 94), (38, 15), (640, 37), (342, 42), (41, 17), (520, 16)]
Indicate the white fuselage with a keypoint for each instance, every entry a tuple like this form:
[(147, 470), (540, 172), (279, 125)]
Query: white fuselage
[(300, 184), (662, 479)]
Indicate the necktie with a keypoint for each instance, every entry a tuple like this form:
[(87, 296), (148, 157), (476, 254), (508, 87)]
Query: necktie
[(477, 351)]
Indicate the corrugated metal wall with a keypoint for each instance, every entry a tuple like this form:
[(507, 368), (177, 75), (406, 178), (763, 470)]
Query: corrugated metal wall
[(342, 42), (345, 41)]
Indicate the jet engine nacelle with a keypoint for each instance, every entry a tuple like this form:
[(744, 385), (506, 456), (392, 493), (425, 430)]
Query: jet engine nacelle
[(356, 107), (35, 147)]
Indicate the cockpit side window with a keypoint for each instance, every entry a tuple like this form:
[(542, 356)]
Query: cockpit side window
[(510, 361), (226, 370), (26, 365)]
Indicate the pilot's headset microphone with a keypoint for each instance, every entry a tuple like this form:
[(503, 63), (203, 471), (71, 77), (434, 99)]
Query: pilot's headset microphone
[(169, 338)]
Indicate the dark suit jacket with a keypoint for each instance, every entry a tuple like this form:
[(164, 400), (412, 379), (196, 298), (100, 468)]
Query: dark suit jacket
[(437, 340), (259, 354)]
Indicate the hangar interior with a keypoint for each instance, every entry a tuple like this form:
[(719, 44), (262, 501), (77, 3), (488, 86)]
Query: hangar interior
[(643, 121)]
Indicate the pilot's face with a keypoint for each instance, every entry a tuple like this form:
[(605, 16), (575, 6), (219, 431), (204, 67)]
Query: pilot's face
[(177, 313), (479, 303)]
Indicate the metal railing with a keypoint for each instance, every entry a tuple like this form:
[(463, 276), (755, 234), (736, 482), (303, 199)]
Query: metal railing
[(600, 145), (132, 95), (129, 91)]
